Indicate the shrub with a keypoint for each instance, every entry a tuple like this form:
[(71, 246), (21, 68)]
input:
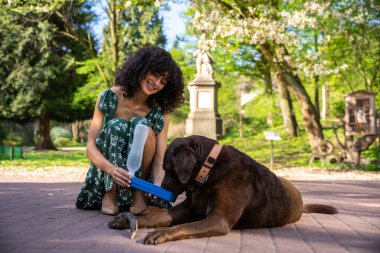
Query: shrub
[(13, 139), (59, 132), (3, 134), (61, 141)]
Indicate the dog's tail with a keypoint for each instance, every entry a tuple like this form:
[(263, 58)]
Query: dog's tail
[(317, 208)]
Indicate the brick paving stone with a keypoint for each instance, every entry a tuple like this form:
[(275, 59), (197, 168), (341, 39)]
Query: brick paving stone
[(188, 246), (257, 240), (33, 220)]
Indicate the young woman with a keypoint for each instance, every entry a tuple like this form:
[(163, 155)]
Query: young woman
[(147, 87)]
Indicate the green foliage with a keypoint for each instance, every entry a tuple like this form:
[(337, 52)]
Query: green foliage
[(60, 136), (287, 152), (3, 134), (27, 6), (372, 167), (373, 152), (142, 25), (12, 139), (37, 68), (135, 25), (61, 141), (340, 49), (56, 132), (338, 108)]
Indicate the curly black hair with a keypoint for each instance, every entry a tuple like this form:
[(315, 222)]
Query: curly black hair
[(155, 60)]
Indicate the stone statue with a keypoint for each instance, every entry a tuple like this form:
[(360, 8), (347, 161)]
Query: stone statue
[(204, 59)]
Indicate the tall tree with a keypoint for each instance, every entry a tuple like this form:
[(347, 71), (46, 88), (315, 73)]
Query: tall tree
[(129, 25), (284, 33), (37, 76)]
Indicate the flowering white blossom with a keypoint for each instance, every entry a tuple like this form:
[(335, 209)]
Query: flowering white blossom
[(289, 27)]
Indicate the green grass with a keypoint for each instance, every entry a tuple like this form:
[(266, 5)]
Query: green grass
[(46, 159), (295, 152), (287, 152)]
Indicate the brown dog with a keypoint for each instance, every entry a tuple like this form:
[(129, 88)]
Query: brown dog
[(237, 193)]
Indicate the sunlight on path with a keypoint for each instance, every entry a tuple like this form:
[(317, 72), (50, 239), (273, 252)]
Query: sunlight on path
[(70, 174)]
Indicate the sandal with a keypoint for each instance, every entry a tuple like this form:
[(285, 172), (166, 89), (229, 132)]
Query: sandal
[(110, 210)]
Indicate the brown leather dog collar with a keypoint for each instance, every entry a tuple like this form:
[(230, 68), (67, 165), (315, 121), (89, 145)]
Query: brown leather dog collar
[(208, 164)]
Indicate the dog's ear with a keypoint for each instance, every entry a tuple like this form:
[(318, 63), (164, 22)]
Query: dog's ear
[(184, 162), (198, 149)]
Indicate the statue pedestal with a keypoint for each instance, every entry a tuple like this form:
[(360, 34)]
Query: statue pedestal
[(203, 118)]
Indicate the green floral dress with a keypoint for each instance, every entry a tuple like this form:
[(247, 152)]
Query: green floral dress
[(114, 142)]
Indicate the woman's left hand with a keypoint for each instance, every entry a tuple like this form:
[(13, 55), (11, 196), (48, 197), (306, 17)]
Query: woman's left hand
[(121, 177)]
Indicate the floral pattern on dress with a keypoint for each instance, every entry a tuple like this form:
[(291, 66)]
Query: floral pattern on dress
[(114, 142)]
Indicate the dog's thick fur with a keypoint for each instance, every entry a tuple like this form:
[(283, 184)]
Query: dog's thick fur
[(239, 193)]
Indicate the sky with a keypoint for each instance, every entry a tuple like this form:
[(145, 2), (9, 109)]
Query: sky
[(173, 23)]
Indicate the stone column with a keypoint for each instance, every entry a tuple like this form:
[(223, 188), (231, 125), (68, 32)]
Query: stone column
[(203, 118)]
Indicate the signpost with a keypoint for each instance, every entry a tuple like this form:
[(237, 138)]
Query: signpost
[(271, 136)]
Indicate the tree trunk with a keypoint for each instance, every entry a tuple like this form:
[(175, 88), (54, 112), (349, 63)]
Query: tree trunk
[(311, 119), (288, 116), (316, 79), (324, 102), (113, 21), (44, 134), (75, 131), (316, 94), (286, 106), (28, 134), (310, 115), (354, 148)]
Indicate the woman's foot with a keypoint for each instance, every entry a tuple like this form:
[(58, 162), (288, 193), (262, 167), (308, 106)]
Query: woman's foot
[(109, 205), (138, 205)]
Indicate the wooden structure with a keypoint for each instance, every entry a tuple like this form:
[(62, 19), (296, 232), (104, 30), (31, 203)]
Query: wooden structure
[(360, 119), (360, 114), (361, 128)]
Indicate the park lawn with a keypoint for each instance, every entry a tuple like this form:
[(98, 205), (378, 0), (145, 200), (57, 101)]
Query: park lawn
[(47, 160), (289, 152)]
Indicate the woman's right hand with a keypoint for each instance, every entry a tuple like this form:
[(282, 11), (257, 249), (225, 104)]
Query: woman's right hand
[(121, 177)]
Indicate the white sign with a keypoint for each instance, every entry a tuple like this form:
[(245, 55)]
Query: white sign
[(245, 98), (272, 136), (204, 100)]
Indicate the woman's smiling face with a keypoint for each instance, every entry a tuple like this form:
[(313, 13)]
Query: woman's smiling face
[(153, 83)]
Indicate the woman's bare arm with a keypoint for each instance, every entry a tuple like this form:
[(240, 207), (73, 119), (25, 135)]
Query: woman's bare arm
[(161, 144)]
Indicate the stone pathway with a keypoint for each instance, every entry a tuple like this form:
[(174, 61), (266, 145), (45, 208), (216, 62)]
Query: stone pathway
[(41, 217), (77, 174)]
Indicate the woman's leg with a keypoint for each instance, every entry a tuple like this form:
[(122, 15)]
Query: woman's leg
[(138, 204), (109, 201)]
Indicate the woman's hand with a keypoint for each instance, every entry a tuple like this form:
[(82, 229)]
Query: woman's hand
[(121, 177)]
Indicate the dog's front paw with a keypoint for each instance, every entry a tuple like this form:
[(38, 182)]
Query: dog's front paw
[(158, 236), (121, 221)]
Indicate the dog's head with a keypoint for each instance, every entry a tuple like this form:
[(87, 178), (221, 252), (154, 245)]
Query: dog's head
[(182, 161)]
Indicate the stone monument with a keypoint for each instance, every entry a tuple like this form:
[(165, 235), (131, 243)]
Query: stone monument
[(203, 118)]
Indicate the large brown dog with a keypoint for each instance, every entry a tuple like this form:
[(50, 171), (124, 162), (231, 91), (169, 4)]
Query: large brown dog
[(238, 193)]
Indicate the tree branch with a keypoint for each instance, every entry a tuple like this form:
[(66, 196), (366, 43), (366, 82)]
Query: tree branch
[(87, 45)]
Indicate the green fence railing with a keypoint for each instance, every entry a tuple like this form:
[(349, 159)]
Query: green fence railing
[(11, 152)]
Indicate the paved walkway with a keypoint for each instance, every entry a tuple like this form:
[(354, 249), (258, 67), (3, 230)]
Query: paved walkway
[(40, 217)]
